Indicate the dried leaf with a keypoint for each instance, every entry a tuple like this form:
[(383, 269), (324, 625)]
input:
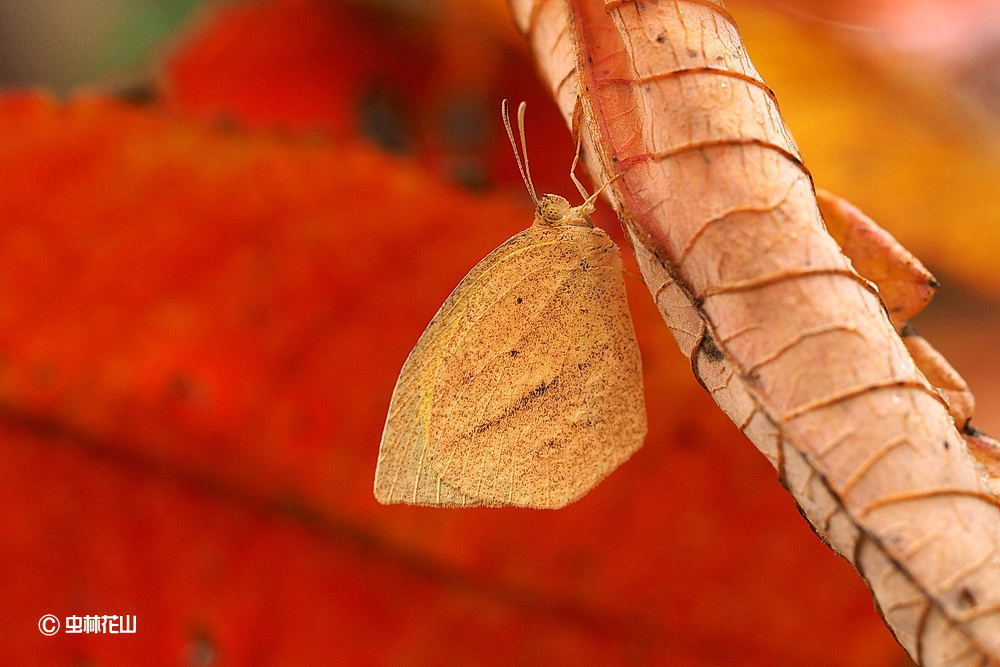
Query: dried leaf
[(937, 370), (792, 343), (905, 286)]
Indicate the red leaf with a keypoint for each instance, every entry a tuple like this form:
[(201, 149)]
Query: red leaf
[(201, 329)]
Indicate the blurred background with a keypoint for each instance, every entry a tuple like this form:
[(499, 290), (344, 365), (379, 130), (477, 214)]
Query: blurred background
[(224, 225)]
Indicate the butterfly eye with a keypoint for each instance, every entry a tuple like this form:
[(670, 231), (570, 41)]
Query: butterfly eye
[(552, 208)]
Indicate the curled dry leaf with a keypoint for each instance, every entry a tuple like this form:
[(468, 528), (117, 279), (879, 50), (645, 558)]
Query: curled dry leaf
[(961, 402), (937, 370), (905, 285), (793, 344)]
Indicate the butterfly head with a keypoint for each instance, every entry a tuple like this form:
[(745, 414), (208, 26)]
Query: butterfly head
[(550, 209), (555, 210)]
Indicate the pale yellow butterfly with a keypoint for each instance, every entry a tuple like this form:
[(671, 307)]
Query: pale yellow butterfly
[(526, 387)]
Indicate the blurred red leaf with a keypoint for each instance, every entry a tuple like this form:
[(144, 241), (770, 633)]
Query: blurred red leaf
[(200, 329), (431, 84), (292, 63)]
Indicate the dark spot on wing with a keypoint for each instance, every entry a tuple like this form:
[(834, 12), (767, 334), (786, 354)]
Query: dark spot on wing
[(514, 353), (518, 300), (661, 38), (520, 405), (540, 389)]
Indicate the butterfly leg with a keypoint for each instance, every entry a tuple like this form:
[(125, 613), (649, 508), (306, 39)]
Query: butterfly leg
[(572, 170)]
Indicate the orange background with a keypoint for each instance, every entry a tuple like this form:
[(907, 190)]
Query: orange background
[(205, 298)]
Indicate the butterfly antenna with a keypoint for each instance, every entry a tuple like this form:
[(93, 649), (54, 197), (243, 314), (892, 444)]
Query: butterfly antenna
[(524, 147), (525, 174)]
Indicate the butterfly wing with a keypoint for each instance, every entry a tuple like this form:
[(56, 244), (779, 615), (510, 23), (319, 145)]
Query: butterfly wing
[(526, 388)]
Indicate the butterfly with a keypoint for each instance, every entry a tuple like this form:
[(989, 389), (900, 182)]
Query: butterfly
[(526, 387)]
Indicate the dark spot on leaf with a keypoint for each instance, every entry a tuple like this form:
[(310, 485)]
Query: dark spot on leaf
[(514, 353), (661, 38), (382, 118), (966, 598), (969, 429), (201, 650), (139, 93), (180, 386), (465, 122), (709, 349), (582, 366), (692, 53), (584, 310), (465, 130), (519, 300), (470, 173), (224, 122)]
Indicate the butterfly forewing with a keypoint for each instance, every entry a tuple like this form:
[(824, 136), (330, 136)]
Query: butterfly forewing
[(403, 473), (526, 388)]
